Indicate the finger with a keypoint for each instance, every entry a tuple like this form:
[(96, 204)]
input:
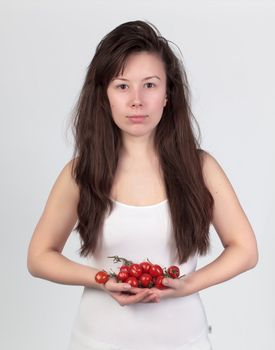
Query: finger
[(114, 286), (135, 290), (134, 299), (151, 299), (141, 296), (170, 282)]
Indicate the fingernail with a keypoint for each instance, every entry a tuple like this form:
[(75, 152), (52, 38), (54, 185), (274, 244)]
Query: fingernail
[(127, 286)]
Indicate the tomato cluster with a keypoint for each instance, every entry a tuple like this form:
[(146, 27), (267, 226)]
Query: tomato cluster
[(142, 275)]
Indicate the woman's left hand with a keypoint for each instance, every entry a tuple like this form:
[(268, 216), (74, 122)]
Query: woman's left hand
[(174, 288)]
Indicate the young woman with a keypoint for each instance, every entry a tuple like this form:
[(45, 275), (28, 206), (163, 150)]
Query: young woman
[(139, 186)]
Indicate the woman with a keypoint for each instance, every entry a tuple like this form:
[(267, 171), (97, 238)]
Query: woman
[(140, 187)]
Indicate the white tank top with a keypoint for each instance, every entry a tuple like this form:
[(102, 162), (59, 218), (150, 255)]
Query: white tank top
[(137, 233)]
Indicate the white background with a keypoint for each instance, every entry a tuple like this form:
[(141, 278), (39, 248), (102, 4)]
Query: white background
[(46, 46)]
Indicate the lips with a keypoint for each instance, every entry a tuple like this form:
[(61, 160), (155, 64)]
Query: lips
[(137, 118)]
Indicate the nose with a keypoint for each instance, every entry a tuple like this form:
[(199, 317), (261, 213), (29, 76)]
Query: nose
[(136, 98)]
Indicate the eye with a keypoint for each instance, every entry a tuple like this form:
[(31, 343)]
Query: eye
[(122, 86), (150, 85)]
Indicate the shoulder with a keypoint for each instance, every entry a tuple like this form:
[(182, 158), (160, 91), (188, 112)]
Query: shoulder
[(68, 170), (223, 193), (59, 215), (229, 218), (65, 181), (218, 183), (207, 159), (213, 172)]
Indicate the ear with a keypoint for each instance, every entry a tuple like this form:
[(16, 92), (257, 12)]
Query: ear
[(165, 101)]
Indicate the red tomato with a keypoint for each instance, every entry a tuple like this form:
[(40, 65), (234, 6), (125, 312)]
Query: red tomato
[(101, 277), (135, 270), (132, 281), (173, 271), (124, 268), (155, 271), (146, 280), (158, 283), (145, 266), (122, 276)]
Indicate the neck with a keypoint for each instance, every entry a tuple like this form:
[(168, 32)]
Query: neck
[(138, 148)]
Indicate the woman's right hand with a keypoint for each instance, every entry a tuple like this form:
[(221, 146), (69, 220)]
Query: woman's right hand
[(125, 294)]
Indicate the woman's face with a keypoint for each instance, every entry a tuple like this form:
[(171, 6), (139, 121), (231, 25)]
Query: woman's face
[(137, 97)]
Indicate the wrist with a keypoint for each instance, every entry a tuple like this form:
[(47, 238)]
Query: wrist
[(187, 287)]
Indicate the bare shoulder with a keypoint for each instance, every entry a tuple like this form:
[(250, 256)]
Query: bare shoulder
[(217, 181), (65, 188), (59, 215), (211, 169), (66, 178), (215, 178), (229, 218)]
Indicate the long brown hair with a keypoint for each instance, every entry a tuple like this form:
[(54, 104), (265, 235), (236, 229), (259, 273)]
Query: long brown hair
[(98, 143)]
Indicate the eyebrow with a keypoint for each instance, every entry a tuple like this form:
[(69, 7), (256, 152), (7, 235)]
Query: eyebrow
[(147, 78)]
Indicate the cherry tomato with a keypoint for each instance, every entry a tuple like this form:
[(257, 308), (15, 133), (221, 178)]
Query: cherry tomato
[(145, 266), (132, 281), (101, 277), (173, 271), (155, 271), (124, 268), (122, 276), (135, 270), (146, 280), (158, 283)]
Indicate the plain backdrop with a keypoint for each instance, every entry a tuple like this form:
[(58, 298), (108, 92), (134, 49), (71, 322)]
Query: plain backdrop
[(46, 47)]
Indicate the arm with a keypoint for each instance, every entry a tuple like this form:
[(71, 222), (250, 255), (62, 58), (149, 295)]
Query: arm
[(234, 230), (51, 233), (45, 259)]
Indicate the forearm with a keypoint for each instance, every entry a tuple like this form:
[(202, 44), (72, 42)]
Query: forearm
[(233, 261), (55, 267)]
